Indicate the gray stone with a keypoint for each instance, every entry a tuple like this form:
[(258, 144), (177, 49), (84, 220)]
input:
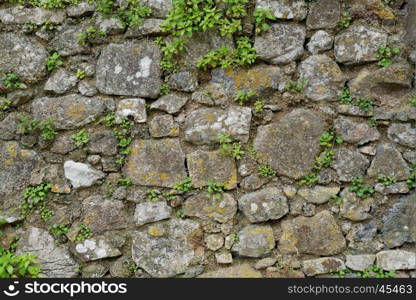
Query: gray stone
[(184, 81), (394, 188), (33, 15), (135, 108), (203, 126), (214, 242), (130, 69), (323, 14), (320, 41), (403, 134), (209, 207), (23, 56), (156, 163), (171, 103), (355, 132), (224, 258), (81, 175), (94, 249), (86, 89), (253, 182), (163, 126), (319, 235), (359, 262), (399, 222), (19, 97), (284, 9), (388, 162), (9, 126), (61, 81), (63, 144), (355, 208), (211, 166), (103, 142), (290, 144), (254, 241), (149, 27), (322, 265), (282, 44), (318, 194), (149, 212), (265, 262), (166, 249), (263, 205), (396, 260), (160, 8), (109, 26), (410, 156), (238, 271), (66, 41), (68, 112), (359, 44), (81, 9), (349, 164), (325, 81), (55, 260)]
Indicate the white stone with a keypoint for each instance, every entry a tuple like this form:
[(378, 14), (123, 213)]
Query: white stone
[(396, 260), (81, 175), (359, 262)]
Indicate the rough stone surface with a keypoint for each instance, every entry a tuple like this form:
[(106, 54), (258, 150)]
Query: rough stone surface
[(94, 249), (163, 126), (135, 108), (355, 208), (240, 271), (263, 205), (349, 164), (61, 82), (360, 262), (318, 194), (33, 15), (290, 145), (149, 212), (355, 132), (171, 103), (320, 41), (388, 162), (403, 134), (283, 9), (323, 14), (322, 266), (254, 241), (396, 260), (80, 174)]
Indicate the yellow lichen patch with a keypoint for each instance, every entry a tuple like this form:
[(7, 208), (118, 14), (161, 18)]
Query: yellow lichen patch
[(76, 111), (381, 10), (249, 79), (12, 149), (156, 230), (265, 231), (232, 182)]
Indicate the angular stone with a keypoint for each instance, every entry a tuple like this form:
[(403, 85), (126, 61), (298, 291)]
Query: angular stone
[(325, 80), (265, 262), (103, 142), (94, 249), (211, 166), (149, 27), (388, 162), (33, 15), (63, 144), (214, 242), (359, 262), (253, 182), (23, 56), (224, 258), (284, 9), (324, 14), (17, 165), (319, 235), (61, 82), (135, 108), (403, 134), (167, 250), (396, 260), (320, 41), (239, 271), (109, 26), (149, 212), (81, 175), (395, 188), (349, 164), (81, 9), (203, 126), (130, 69), (66, 41), (318, 194), (160, 8), (55, 260), (163, 126), (68, 112), (86, 89), (355, 208), (254, 241), (263, 205), (355, 132), (184, 81), (156, 163), (281, 44), (322, 265), (399, 222), (171, 103), (100, 214), (282, 144), (359, 44)]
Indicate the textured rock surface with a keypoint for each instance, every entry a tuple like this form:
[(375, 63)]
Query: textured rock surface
[(94, 249), (81, 175), (323, 14), (355, 132), (396, 260), (254, 241), (349, 164), (286, 10), (151, 212), (388, 162), (322, 266)]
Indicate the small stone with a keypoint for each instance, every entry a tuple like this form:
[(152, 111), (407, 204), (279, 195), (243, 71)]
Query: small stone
[(410, 156), (135, 108), (355, 208), (402, 134), (66, 40), (360, 262), (322, 265), (86, 89), (160, 8), (103, 142), (355, 132), (81, 175), (239, 271), (388, 162), (214, 242), (394, 188), (369, 150), (282, 9), (184, 81), (109, 26), (224, 258), (63, 144), (81, 9), (323, 14), (318, 194), (263, 205), (61, 82), (149, 212), (253, 182), (33, 15), (349, 164), (170, 103), (320, 41), (396, 260), (254, 241), (148, 27), (163, 126), (265, 262), (94, 249)]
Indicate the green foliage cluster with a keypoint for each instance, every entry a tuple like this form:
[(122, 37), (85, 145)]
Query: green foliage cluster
[(54, 62), (124, 181), (184, 186), (11, 80), (360, 189), (59, 230), (266, 171), (88, 35), (373, 271), (261, 16), (411, 179), (259, 106), (411, 100), (230, 148), (34, 197), (81, 139), (241, 97), (296, 86), (5, 104), (18, 266), (30, 126), (386, 180), (345, 20), (216, 189), (170, 51), (84, 232), (46, 4), (363, 103), (385, 55)]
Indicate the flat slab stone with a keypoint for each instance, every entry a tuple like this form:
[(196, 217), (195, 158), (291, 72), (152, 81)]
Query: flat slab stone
[(403, 134), (32, 15), (263, 205), (290, 144), (349, 164), (323, 14), (322, 265), (281, 44), (355, 132), (211, 166), (61, 81), (167, 249), (254, 241), (396, 260), (283, 9), (355, 208), (359, 262), (319, 235), (130, 69), (94, 249), (240, 271), (149, 212), (388, 162), (318, 194), (68, 112), (203, 126), (156, 163), (170, 103), (80, 174)]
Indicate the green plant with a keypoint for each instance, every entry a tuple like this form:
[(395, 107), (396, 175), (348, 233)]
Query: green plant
[(266, 171), (59, 230), (242, 96), (386, 180), (170, 51), (80, 74), (336, 200), (11, 80), (360, 189), (164, 89), (345, 20), (18, 266), (84, 232), (46, 213), (124, 181), (184, 186), (228, 148), (4, 104), (412, 101), (251, 152), (310, 179), (215, 189), (385, 55), (46, 128), (363, 103), (152, 195), (34, 197), (373, 271), (296, 86), (89, 34), (259, 106), (411, 179), (134, 13), (81, 138), (109, 120), (54, 62), (261, 15)]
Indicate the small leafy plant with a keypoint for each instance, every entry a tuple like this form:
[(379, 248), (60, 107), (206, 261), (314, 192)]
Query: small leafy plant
[(243, 96), (412, 101), (228, 148), (184, 186), (89, 34), (266, 171), (261, 16), (54, 62), (5, 104), (386, 180), (215, 189), (84, 232), (81, 138), (385, 55), (11, 80), (259, 106), (345, 20), (34, 197), (18, 266), (296, 86), (360, 189), (59, 230), (80, 74), (124, 181)]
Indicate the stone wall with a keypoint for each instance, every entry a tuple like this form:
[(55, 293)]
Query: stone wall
[(300, 164)]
